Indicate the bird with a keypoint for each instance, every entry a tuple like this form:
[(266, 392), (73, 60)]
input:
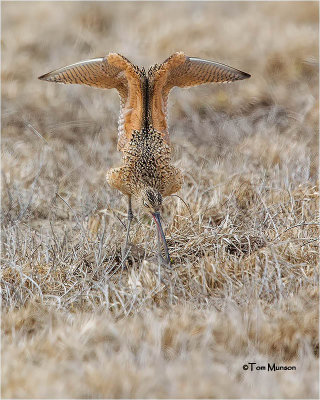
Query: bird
[(146, 173)]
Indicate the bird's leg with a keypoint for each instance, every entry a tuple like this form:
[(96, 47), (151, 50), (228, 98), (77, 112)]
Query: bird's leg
[(156, 217), (160, 259), (130, 218)]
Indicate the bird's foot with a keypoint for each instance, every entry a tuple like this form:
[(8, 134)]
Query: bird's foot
[(164, 261)]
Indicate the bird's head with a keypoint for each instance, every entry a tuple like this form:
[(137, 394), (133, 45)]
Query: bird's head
[(151, 200)]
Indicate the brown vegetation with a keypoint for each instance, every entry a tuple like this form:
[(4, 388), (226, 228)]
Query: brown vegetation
[(244, 287)]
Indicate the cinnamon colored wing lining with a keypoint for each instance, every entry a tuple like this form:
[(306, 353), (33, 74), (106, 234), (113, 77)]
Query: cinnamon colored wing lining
[(182, 71), (112, 71)]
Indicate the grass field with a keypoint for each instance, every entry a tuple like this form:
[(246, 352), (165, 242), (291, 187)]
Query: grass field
[(244, 283)]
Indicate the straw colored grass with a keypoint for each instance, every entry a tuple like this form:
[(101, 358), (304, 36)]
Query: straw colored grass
[(78, 323)]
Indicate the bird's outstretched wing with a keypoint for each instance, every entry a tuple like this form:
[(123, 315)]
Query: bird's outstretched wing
[(182, 71), (112, 71)]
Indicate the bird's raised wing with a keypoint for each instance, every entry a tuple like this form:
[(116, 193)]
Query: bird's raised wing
[(112, 71), (182, 71)]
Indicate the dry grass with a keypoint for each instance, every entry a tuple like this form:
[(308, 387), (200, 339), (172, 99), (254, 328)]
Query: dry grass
[(244, 287)]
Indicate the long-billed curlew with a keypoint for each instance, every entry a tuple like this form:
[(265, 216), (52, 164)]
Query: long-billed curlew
[(146, 172)]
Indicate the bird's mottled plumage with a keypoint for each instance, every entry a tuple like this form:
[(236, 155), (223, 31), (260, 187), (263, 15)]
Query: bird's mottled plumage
[(146, 163), (146, 172)]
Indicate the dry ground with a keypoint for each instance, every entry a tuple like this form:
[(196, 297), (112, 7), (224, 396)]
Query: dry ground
[(244, 287)]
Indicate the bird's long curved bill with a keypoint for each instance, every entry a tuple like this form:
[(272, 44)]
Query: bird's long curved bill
[(156, 217)]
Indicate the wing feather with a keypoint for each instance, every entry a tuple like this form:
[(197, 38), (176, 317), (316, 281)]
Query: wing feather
[(196, 71), (182, 71), (111, 72), (96, 72)]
